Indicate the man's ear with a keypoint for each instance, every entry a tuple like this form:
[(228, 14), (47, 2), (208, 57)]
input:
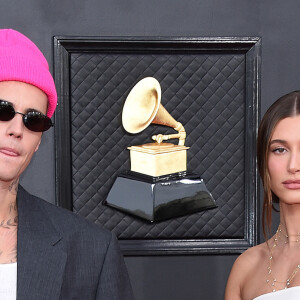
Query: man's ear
[(38, 145)]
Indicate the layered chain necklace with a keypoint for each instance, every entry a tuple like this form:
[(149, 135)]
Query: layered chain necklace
[(271, 280)]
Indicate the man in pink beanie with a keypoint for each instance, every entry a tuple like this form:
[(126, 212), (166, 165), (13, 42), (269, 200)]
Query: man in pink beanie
[(46, 252)]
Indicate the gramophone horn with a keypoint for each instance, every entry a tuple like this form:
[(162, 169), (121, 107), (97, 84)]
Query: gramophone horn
[(141, 105)]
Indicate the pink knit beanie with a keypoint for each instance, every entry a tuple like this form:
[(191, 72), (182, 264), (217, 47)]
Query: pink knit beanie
[(21, 60)]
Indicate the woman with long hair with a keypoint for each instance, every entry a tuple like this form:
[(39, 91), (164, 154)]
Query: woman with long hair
[(271, 270)]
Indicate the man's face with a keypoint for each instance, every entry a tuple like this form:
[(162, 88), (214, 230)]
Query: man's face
[(17, 143)]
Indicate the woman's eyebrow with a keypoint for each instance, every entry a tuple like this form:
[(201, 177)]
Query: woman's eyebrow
[(278, 141)]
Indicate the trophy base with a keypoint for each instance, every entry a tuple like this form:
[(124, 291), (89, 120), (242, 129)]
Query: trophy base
[(159, 198), (157, 160)]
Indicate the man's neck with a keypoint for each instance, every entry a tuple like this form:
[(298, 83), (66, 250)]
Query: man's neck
[(8, 200)]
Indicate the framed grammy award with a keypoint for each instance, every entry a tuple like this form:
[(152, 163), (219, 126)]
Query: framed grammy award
[(155, 140), (158, 186)]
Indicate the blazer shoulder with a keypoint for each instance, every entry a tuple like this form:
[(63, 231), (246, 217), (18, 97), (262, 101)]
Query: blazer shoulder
[(66, 221)]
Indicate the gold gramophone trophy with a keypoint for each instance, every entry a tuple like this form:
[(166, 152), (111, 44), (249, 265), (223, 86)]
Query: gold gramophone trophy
[(158, 186)]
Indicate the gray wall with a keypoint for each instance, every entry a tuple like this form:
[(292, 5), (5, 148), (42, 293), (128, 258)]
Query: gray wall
[(276, 21)]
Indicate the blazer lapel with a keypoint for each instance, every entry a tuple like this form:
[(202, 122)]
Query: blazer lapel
[(41, 257)]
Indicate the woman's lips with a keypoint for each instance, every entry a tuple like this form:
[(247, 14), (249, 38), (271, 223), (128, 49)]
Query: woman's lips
[(9, 151), (292, 184)]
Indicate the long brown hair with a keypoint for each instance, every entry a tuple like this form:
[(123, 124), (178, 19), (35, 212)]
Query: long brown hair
[(286, 106)]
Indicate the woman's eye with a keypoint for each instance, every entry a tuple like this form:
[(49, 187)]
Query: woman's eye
[(279, 150)]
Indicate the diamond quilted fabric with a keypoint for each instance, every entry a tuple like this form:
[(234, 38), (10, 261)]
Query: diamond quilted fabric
[(205, 92)]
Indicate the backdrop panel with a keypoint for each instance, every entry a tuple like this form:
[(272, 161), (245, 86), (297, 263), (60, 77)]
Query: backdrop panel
[(210, 85)]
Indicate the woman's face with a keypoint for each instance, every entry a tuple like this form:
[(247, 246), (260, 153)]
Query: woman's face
[(284, 160)]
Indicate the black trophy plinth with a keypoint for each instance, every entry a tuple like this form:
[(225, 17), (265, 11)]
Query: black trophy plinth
[(159, 198)]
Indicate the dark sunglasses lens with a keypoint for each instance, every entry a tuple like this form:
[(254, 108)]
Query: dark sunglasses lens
[(7, 112), (37, 122)]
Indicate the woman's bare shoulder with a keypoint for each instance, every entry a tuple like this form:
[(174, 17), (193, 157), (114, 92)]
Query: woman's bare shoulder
[(244, 267), (252, 256)]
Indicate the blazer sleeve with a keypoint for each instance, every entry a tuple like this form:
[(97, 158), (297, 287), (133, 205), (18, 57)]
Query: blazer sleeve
[(114, 283)]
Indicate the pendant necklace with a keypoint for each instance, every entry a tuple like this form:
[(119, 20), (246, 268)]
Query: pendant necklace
[(272, 281)]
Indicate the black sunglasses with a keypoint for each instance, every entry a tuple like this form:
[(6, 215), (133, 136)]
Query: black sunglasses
[(33, 120)]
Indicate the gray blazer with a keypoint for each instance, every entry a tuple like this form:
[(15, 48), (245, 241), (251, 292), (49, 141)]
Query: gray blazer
[(62, 256)]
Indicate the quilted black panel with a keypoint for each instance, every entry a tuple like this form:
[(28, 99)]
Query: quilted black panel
[(205, 92)]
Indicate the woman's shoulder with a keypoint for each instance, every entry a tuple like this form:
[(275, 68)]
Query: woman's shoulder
[(252, 256), (245, 269)]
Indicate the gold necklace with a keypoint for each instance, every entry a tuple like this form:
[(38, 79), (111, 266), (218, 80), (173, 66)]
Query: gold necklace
[(272, 281)]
